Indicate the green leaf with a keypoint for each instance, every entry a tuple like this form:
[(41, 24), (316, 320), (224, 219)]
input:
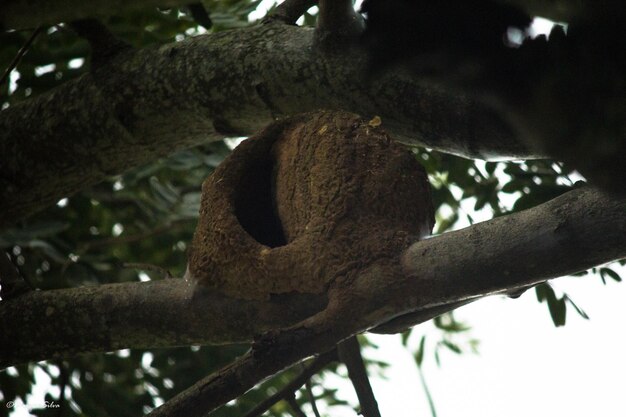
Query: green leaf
[(452, 346), (604, 272), (541, 291), (558, 311), (448, 323), (405, 337), (419, 354)]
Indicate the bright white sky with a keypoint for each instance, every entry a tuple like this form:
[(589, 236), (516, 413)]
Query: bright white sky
[(525, 366)]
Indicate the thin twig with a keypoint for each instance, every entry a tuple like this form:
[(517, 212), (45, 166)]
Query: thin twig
[(309, 391), (200, 14), (291, 400), (429, 397), (64, 379), (350, 354), (312, 368), (289, 11), (20, 54), (12, 283)]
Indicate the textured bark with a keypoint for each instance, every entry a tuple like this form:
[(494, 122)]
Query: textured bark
[(574, 232), (152, 102), (62, 323), (568, 234)]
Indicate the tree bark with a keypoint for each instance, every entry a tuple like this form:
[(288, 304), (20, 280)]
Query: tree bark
[(149, 103), (62, 323), (576, 231)]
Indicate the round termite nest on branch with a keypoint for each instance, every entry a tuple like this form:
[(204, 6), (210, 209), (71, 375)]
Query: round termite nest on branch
[(305, 204)]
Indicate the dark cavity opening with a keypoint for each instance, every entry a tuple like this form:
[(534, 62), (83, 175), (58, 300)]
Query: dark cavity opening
[(255, 208)]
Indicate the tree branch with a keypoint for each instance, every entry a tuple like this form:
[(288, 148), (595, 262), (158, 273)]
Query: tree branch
[(20, 53), (338, 24), (312, 368), (309, 391), (294, 406), (104, 45), (572, 232), (200, 14), (350, 354), (62, 323), (235, 83), (289, 11), (576, 231), (568, 234), (12, 283)]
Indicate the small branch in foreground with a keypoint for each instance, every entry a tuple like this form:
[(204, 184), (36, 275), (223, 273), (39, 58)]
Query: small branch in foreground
[(350, 354), (309, 391), (12, 283), (337, 21), (291, 399), (18, 57), (200, 14), (289, 11), (312, 368), (104, 44)]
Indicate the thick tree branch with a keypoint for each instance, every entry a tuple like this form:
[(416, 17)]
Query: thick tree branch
[(135, 108), (62, 323), (580, 229), (570, 233)]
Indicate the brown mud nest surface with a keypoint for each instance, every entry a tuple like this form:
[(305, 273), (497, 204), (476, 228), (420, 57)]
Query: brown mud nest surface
[(305, 204)]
